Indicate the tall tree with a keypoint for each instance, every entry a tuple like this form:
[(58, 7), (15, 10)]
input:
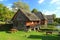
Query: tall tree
[(34, 10), (18, 5)]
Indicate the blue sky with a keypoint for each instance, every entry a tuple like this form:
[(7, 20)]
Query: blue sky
[(47, 7)]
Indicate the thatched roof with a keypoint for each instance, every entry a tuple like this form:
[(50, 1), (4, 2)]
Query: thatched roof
[(40, 15), (29, 15), (49, 16)]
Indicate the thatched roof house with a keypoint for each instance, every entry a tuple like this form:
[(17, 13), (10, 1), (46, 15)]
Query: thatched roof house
[(42, 18), (25, 20), (50, 19)]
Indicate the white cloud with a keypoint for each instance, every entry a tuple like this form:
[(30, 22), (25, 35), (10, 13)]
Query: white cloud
[(9, 6), (40, 1), (46, 12), (2, 0), (55, 1)]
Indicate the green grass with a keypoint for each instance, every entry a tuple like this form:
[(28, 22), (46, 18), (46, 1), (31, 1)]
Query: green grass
[(33, 35)]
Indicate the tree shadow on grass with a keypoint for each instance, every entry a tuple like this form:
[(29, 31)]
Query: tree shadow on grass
[(47, 37)]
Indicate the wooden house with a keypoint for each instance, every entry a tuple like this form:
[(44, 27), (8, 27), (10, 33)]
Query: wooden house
[(42, 18), (50, 19), (25, 20)]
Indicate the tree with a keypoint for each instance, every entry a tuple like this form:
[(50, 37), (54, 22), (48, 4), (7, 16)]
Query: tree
[(54, 16), (57, 20), (5, 13), (18, 5), (1, 12), (34, 10)]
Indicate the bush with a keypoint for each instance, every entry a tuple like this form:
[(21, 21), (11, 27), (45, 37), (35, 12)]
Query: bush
[(5, 27), (2, 22), (55, 23)]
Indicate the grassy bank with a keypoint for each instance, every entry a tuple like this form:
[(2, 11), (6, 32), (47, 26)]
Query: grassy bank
[(33, 35)]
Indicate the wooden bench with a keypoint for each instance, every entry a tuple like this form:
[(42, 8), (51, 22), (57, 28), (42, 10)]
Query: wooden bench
[(49, 32)]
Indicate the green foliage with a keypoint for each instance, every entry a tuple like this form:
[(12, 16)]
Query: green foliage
[(5, 13), (34, 11), (54, 16), (55, 23), (2, 22), (57, 20), (18, 5)]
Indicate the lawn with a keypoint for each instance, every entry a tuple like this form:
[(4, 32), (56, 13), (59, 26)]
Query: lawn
[(33, 35)]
